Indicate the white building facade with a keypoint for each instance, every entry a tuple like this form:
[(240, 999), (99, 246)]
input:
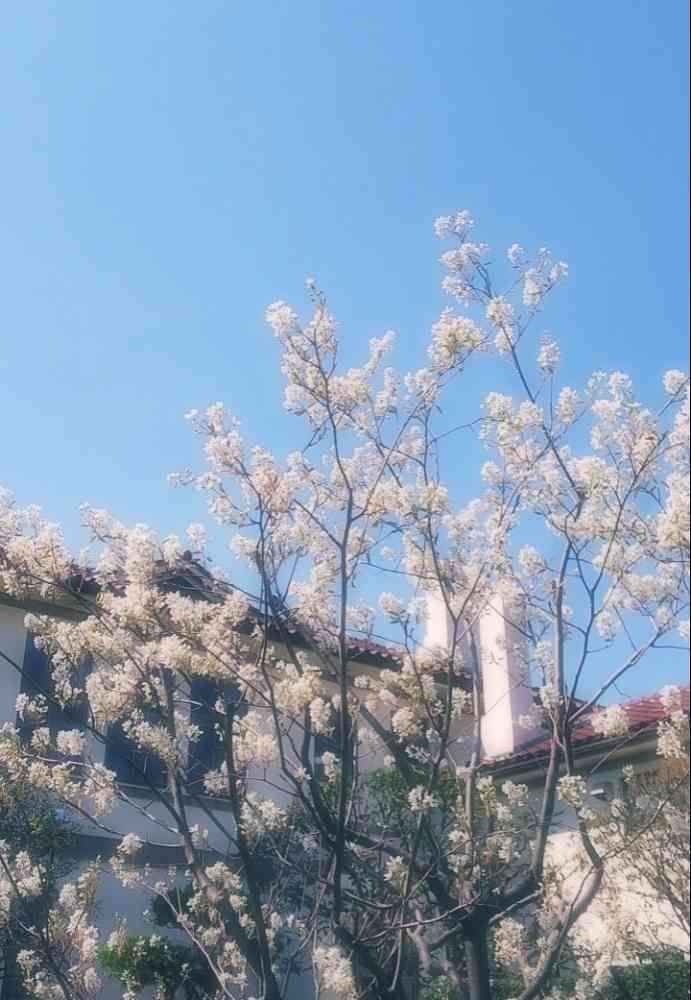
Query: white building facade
[(507, 695)]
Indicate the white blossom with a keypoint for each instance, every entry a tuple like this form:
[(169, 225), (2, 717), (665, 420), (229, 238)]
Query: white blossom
[(612, 721), (334, 972), (130, 845), (549, 356), (674, 381), (420, 800), (573, 789), (71, 742)]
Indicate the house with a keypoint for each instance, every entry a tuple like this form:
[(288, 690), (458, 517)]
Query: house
[(509, 749), (602, 760)]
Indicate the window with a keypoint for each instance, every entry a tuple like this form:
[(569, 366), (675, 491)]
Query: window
[(207, 753), (330, 743), (37, 680), (131, 764)]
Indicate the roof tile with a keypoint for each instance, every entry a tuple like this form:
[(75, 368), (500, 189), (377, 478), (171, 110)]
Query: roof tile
[(642, 712)]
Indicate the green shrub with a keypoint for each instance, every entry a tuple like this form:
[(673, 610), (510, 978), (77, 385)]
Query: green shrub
[(30, 821), (138, 961), (161, 913), (665, 977), (440, 989)]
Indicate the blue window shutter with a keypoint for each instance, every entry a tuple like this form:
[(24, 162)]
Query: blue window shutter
[(37, 680), (328, 744), (207, 753), (131, 764)]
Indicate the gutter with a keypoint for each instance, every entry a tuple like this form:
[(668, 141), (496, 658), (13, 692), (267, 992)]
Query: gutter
[(639, 744)]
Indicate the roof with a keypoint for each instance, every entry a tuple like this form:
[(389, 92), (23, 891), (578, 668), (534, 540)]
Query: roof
[(191, 578), (643, 714)]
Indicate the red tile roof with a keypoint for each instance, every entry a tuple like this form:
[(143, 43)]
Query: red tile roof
[(644, 713), (191, 577)]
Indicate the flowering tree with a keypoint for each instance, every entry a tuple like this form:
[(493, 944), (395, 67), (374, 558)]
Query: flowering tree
[(383, 901), (42, 939), (647, 836), (642, 841)]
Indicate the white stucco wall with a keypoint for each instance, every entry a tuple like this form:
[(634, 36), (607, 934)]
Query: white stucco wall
[(595, 926), (12, 642)]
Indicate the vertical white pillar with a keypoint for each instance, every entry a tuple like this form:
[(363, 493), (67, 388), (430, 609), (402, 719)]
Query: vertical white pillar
[(506, 687)]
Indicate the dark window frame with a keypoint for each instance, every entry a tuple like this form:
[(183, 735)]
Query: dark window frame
[(37, 680), (207, 753)]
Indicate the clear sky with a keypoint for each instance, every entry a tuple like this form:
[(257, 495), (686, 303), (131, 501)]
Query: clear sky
[(169, 168)]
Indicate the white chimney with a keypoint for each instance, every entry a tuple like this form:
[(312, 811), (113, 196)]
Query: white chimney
[(506, 689)]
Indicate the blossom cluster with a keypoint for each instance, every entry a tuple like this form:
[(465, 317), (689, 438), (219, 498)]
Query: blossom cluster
[(580, 529)]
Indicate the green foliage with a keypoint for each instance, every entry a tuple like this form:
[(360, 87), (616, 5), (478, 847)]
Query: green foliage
[(440, 989), (30, 822), (161, 913), (505, 985), (665, 977), (138, 961), (387, 798)]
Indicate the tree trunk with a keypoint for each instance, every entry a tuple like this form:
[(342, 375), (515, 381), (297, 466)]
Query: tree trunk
[(272, 990), (477, 964)]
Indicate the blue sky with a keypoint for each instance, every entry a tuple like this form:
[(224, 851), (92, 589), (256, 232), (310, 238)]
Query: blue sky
[(169, 169)]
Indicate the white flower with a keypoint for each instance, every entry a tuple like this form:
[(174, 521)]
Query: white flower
[(516, 254), (199, 835), (558, 271), (674, 381), (71, 742), (260, 816), (330, 764), (516, 794), (282, 319), (573, 789), (130, 845), (21, 705), (196, 534), (533, 288), (453, 225), (172, 549), (487, 791), (30, 708), (334, 972), (673, 736), (670, 697), (530, 561), (392, 606), (567, 405), (608, 624), (500, 312), (321, 715), (40, 739), (491, 473), (453, 338), (462, 702), (612, 721), (420, 800), (549, 356), (510, 942), (404, 722)]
